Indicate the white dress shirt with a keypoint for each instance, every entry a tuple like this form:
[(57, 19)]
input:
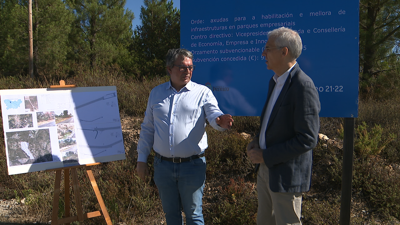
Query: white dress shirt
[(174, 122), (279, 83)]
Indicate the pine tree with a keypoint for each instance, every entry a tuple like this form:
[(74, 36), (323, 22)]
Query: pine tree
[(102, 30), (160, 31), (14, 46), (379, 33), (51, 25)]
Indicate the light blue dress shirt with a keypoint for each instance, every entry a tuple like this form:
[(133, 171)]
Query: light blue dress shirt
[(174, 122)]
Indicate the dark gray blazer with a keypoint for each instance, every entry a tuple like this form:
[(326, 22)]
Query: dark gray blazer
[(292, 133)]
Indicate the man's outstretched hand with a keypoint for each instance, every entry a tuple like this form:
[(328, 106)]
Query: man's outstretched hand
[(225, 121)]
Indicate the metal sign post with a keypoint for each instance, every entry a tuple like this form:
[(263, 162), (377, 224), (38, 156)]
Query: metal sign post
[(347, 172)]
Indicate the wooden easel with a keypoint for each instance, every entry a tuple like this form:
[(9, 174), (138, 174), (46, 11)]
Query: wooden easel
[(75, 185)]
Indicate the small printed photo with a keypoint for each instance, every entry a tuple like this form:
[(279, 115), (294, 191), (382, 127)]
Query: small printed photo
[(64, 116), (65, 131), (20, 121), (46, 119), (69, 150), (31, 103), (67, 143), (29, 147)]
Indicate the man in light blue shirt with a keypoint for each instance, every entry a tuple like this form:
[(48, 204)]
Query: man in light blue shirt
[(174, 126)]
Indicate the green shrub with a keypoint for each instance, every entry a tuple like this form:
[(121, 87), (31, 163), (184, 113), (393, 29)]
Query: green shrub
[(237, 204), (379, 183), (247, 124), (371, 142), (328, 211), (387, 114), (226, 153)]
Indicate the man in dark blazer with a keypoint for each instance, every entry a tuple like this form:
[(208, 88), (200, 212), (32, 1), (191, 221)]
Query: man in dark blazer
[(288, 132)]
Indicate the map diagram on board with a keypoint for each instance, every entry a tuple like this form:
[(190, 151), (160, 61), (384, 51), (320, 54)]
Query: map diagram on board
[(101, 128), (28, 147), (48, 128), (12, 104)]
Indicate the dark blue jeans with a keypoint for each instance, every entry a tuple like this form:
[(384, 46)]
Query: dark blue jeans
[(180, 186)]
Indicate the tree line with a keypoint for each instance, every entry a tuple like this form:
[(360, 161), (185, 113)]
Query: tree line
[(95, 33), (98, 33)]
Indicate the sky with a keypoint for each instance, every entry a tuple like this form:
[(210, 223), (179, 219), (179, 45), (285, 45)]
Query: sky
[(135, 5)]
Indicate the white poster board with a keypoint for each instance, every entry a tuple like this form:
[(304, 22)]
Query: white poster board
[(56, 128)]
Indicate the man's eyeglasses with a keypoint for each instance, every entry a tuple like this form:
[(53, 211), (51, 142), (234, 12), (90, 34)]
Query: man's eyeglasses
[(184, 68), (268, 49)]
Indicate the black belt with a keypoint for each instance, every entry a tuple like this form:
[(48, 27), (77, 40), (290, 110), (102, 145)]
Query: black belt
[(178, 159)]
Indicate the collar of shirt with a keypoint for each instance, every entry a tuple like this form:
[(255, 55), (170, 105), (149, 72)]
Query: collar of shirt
[(189, 86), (280, 80)]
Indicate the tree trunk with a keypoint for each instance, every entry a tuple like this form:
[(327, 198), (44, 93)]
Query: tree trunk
[(92, 42), (36, 47), (370, 42), (30, 39)]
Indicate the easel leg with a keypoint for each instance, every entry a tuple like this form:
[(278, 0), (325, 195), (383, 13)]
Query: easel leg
[(67, 204), (98, 195), (54, 217), (67, 219), (75, 185)]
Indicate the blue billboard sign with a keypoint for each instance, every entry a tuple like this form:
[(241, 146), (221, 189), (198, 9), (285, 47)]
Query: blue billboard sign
[(227, 39)]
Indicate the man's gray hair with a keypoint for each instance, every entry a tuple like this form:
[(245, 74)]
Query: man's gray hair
[(174, 54), (286, 37)]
